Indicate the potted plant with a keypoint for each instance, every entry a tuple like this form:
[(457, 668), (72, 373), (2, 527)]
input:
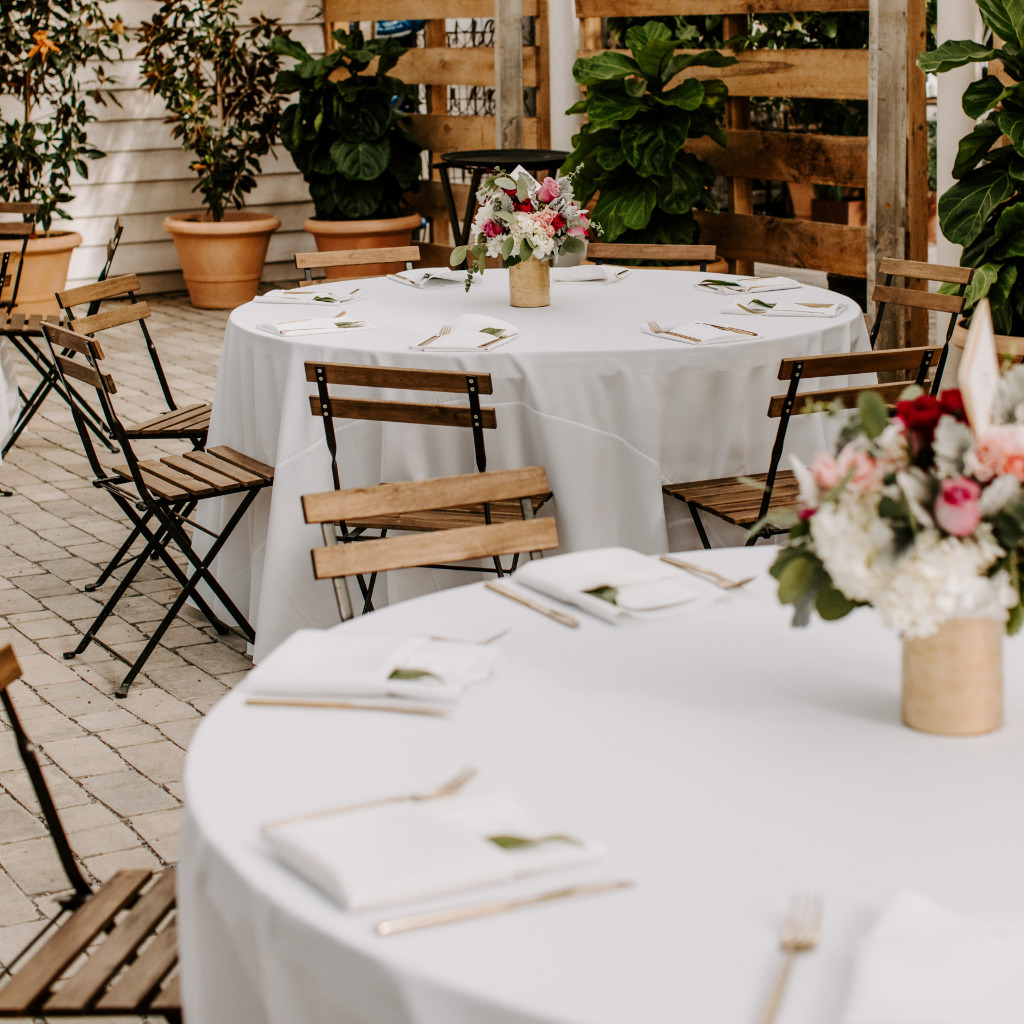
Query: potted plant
[(630, 150), (347, 133), (47, 48), (984, 209), (216, 76)]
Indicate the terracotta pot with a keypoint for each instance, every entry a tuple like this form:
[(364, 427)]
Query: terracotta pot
[(801, 193), (529, 284), (222, 260), (933, 217), (331, 235), (953, 681), (840, 211), (1009, 345), (46, 269)]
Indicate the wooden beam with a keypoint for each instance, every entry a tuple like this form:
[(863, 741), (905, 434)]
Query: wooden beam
[(508, 74), (687, 8), (737, 118), (917, 159), (446, 65), (397, 10), (443, 133)]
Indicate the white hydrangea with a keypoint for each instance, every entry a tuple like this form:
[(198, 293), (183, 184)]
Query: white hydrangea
[(951, 443), (855, 545)]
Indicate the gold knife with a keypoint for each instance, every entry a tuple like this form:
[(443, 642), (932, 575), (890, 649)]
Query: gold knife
[(735, 330), (316, 702), (552, 613), (468, 911)]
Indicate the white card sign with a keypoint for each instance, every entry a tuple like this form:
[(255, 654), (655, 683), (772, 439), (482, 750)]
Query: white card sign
[(978, 375)]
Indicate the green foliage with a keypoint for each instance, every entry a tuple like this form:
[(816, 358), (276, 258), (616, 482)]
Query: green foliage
[(216, 79), (347, 130), (984, 210), (631, 148), (46, 47)]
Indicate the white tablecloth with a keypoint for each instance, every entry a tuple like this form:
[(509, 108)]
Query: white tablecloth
[(724, 759), (10, 402), (610, 412)]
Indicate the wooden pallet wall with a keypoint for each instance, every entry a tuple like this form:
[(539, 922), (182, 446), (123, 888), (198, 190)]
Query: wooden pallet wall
[(438, 66), (741, 235)]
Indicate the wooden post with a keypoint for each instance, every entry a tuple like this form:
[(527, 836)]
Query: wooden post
[(737, 117), (887, 149), (917, 160), (508, 73)]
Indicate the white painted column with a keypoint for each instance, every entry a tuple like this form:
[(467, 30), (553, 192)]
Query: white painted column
[(958, 19), (563, 42)]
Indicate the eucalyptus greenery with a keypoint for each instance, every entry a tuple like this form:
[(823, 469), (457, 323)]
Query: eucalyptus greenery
[(216, 77), (347, 131), (984, 210), (631, 147), (54, 57)]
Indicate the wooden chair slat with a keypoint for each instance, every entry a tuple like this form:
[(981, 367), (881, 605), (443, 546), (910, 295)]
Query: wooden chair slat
[(133, 988), (189, 467), (87, 375), (157, 484), (404, 412), (64, 337), (81, 989), (357, 257), (254, 466), (925, 271), (625, 251), (29, 985), (183, 481), (98, 290), (169, 996), (879, 361), (918, 299), (28, 323), (397, 378), (15, 229), (108, 318), (444, 547), (25, 209), (431, 520), (849, 397), (178, 421), (223, 468), (415, 496), (9, 667)]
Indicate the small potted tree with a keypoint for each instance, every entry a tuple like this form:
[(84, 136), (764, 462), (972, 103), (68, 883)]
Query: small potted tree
[(630, 151), (347, 133), (48, 49), (216, 77)]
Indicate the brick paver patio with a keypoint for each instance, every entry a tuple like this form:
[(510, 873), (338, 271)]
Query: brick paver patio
[(115, 766)]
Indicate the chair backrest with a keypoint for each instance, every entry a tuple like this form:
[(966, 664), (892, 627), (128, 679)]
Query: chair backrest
[(134, 311), (396, 378), (795, 402), (14, 230), (699, 254), (307, 262), (338, 561), (112, 244)]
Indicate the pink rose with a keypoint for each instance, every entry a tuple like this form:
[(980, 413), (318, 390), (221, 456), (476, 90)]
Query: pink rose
[(867, 471), (549, 190), (999, 452), (492, 229), (957, 509), (826, 471)]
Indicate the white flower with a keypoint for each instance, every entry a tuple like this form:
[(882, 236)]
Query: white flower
[(805, 481), (892, 444), (855, 546), (998, 495), (914, 484), (951, 443)]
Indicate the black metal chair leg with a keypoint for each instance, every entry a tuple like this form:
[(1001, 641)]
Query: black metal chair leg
[(700, 526)]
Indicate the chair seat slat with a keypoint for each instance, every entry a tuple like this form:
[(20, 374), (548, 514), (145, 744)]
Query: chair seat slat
[(157, 484), (192, 468), (191, 416), (223, 468), (192, 486), (229, 455), (132, 989)]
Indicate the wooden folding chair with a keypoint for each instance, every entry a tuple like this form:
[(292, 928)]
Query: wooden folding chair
[(338, 561), (158, 498), (736, 502), (108, 951), (885, 292), (665, 255), (387, 261), (473, 416)]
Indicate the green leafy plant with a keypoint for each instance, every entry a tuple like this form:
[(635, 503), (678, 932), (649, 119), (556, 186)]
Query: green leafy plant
[(216, 77), (631, 148), (984, 210), (54, 57), (347, 130)]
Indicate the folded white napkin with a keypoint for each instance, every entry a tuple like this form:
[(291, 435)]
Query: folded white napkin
[(311, 296), (408, 850), (694, 334), (472, 332), (608, 275), (748, 284), (340, 663), (315, 325), (646, 587), (423, 278), (761, 307), (923, 965)]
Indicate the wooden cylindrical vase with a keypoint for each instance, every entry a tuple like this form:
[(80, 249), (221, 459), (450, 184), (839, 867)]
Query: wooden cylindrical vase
[(953, 681), (529, 283)]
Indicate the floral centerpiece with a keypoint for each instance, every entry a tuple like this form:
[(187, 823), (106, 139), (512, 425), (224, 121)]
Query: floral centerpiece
[(920, 516), (519, 219)]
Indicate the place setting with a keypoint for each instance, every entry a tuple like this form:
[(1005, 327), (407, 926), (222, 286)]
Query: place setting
[(322, 294), (470, 332), (697, 332), (310, 326)]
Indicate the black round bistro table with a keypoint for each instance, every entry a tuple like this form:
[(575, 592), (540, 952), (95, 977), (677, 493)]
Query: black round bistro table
[(481, 160)]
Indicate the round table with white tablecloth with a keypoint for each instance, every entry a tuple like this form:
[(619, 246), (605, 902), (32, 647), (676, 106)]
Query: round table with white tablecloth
[(610, 412), (724, 759)]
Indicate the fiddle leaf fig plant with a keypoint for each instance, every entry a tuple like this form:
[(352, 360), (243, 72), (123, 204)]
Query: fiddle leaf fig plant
[(984, 210), (631, 148), (347, 130)]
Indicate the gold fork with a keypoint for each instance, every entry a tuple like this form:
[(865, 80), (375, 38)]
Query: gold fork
[(675, 334), (449, 788), (441, 332), (800, 932), (716, 577)]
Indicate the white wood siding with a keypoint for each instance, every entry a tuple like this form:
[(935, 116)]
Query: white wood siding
[(145, 175)]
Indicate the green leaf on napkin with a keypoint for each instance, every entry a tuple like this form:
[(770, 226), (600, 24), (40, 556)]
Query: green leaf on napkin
[(348, 323), (411, 674), (523, 842), (498, 332), (609, 594), (324, 298), (761, 302), (725, 284)]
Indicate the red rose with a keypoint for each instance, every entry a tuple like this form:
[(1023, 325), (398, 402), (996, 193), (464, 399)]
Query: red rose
[(952, 403), (510, 192), (921, 414), (558, 221), (526, 206)]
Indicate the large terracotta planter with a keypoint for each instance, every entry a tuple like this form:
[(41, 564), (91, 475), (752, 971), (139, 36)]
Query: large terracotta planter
[(46, 269), (222, 260), (331, 235)]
